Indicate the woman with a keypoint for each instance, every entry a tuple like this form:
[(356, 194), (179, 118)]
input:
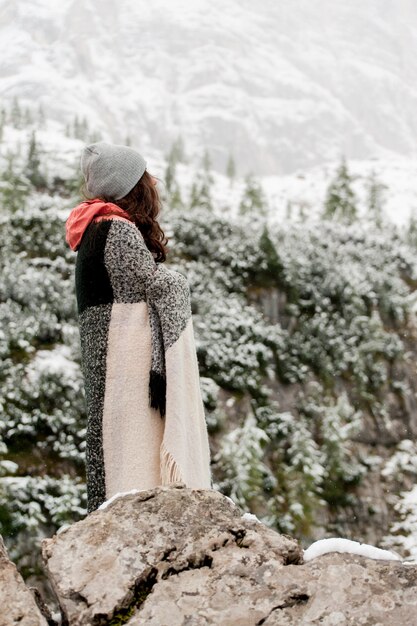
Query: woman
[(145, 415)]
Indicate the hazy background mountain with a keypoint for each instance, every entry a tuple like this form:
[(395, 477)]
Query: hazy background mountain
[(280, 85)]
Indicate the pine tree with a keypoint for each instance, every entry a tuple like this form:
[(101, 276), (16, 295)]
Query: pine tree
[(204, 199), (302, 206), (200, 195), (177, 152), (84, 129), (94, 136), (253, 201), (16, 114), (14, 188), (27, 117), (77, 128), (41, 117), (2, 123), (340, 199), (194, 195), (376, 199), (206, 165), (269, 275), (169, 175), (175, 200), (231, 169), (411, 233), (33, 165)]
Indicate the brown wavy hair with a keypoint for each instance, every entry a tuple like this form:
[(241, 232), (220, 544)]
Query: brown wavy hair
[(143, 204)]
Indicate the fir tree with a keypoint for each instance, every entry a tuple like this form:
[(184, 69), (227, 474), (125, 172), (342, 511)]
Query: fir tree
[(194, 195), (340, 199), (231, 169), (81, 130), (33, 165), (411, 233), (269, 273), (41, 117), (200, 195), (253, 201), (169, 175), (206, 165), (302, 206), (94, 136), (175, 199), (16, 114), (171, 184), (204, 199), (27, 117), (14, 188), (177, 152), (375, 200), (2, 123), (84, 129)]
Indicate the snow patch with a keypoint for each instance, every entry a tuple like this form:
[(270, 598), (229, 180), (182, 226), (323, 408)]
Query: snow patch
[(105, 504), (336, 544), (251, 517)]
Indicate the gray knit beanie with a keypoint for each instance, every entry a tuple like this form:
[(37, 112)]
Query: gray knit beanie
[(111, 170)]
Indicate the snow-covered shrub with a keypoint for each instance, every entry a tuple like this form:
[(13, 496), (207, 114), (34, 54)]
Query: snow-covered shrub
[(310, 455), (240, 460), (230, 254), (33, 507), (235, 344)]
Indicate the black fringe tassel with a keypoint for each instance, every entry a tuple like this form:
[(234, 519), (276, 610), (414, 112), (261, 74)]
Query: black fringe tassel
[(157, 391)]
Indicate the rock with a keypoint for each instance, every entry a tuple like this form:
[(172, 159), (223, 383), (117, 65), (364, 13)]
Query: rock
[(43, 607), (343, 589), (174, 556), (17, 603), (113, 558)]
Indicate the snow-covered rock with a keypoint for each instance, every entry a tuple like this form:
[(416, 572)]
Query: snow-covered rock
[(164, 554)]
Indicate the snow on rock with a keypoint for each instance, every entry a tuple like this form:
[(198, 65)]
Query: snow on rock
[(336, 544), (251, 517), (105, 504)]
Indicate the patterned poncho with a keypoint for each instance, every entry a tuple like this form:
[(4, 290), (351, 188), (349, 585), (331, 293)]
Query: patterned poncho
[(145, 416)]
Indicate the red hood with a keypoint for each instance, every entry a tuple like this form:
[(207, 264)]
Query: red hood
[(81, 216)]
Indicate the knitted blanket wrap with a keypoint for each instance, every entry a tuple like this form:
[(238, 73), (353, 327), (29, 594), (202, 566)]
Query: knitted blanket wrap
[(114, 266)]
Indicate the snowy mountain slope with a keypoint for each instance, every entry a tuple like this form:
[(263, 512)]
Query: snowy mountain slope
[(280, 85), (297, 196)]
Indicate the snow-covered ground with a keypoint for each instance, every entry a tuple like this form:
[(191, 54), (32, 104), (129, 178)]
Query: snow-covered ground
[(296, 196)]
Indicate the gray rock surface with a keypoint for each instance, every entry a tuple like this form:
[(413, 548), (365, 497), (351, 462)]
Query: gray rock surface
[(176, 556), (17, 603)]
